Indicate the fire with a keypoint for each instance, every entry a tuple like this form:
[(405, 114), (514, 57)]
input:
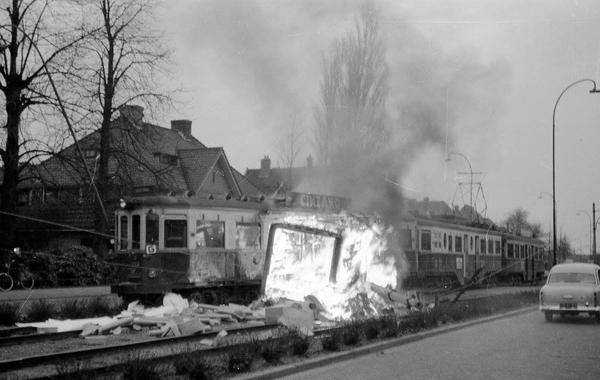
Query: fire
[(334, 259)]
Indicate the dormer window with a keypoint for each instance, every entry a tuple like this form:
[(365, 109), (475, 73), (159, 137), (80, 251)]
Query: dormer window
[(167, 159), (91, 153)]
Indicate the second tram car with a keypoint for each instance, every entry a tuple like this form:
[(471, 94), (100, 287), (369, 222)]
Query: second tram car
[(444, 254)]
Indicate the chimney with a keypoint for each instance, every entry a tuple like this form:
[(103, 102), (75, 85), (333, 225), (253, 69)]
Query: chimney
[(309, 161), (182, 126), (133, 114), (265, 167)]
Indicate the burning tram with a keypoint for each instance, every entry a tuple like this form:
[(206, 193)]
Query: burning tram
[(234, 250), (226, 250), (444, 254)]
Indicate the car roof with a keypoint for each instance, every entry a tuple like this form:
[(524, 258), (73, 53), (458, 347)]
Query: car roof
[(575, 267)]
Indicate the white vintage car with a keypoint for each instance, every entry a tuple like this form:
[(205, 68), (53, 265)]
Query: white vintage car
[(571, 289)]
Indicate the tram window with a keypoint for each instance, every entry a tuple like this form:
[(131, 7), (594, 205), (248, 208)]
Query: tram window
[(135, 232), (449, 243), (123, 234), (483, 246), (471, 243), (210, 234), (175, 233), (247, 235), (426, 240), (151, 229), (490, 247), (511, 251), (457, 244), (498, 248)]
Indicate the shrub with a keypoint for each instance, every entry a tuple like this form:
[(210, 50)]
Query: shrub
[(40, 311), (197, 368), (272, 350), (9, 314), (99, 306), (299, 344), (72, 309), (68, 265), (141, 368), (352, 332), (333, 341), (240, 358), (72, 369), (389, 327)]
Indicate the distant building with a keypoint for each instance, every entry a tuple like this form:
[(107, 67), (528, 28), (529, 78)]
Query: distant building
[(56, 199), (274, 182)]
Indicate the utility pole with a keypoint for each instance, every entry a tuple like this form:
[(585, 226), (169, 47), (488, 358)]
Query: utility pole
[(595, 224)]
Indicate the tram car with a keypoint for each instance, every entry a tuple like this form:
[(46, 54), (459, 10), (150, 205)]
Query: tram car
[(442, 254), (522, 260), (215, 250)]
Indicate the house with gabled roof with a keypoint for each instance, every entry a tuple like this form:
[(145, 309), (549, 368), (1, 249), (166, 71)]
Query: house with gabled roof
[(56, 198)]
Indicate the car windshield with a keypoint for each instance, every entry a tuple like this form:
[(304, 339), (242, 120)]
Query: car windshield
[(576, 278)]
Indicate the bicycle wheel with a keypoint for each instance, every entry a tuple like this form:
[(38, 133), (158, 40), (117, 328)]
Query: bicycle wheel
[(6, 282), (26, 278)]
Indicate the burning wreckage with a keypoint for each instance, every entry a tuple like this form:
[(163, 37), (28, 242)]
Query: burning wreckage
[(344, 265), (320, 262)]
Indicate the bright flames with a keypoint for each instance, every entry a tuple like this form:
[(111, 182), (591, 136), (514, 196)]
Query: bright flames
[(303, 263)]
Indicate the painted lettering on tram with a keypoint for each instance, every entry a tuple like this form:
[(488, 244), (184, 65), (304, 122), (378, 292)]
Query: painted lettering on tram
[(317, 201)]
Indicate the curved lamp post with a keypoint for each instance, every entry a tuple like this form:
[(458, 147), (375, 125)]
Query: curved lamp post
[(471, 180), (592, 91)]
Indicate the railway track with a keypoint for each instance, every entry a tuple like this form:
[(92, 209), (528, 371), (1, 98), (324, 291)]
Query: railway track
[(109, 357)]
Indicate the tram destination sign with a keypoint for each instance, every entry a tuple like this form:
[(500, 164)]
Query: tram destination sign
[(316, 201)]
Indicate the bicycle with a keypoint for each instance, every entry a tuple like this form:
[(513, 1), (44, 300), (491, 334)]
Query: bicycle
[(21, 273)]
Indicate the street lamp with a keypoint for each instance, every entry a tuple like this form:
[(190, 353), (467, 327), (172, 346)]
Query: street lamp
[(471, 181), (554, 157)]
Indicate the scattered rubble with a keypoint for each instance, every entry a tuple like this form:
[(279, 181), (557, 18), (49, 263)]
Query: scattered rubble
[(180, 317)]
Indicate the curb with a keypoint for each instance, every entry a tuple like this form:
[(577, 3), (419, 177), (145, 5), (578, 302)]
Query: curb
[(289, 369)]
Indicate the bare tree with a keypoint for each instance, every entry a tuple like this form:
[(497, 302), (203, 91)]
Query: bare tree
[(292, 146), (124, 62), (351, 118), (518, 220), (31, 46)]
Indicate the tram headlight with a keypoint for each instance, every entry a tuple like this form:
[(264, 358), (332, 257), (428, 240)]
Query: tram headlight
[(152, 273), (122, 203)]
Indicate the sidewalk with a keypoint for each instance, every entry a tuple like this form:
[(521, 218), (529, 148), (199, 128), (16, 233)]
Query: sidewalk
[(20, 295)]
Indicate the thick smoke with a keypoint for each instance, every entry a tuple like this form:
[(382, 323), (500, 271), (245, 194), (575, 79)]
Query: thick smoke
[(269, 54)]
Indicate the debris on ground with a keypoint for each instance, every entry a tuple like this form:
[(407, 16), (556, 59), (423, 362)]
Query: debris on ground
[(180, 317)]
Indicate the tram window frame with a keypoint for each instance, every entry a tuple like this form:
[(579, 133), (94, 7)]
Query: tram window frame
[(174, 232), (204, 234), (123, 232), (257, 235), (136, 231), (458, 244), (152, 229), (425, 244)]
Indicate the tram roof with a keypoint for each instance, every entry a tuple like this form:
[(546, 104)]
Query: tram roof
[(190, 202)]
